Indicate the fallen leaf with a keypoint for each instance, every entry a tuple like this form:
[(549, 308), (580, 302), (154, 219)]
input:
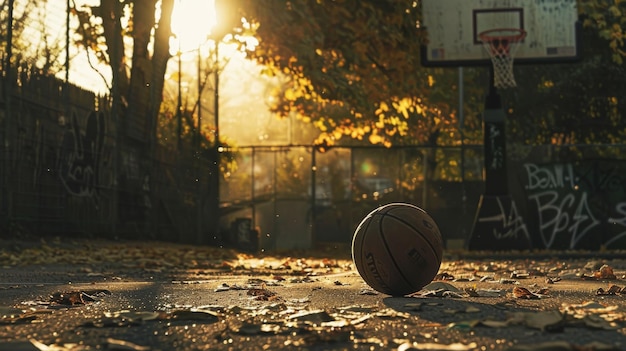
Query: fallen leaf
[(314, 317), (472, 292), (135, 315), (222, 287), (612, 290), (597, 322), (115, 344), (541, 292), (434, 346), (444, 276), (494, 323), (368, 292), (464, 325), (263, 294), (523, 293), (520, 275), (543, 320), (195, 315), (67, 298), (588, 307), (552, 280), (442, 286), (72, 298), (605, 272)]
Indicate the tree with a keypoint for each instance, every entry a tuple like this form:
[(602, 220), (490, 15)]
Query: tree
[(355, 69), (138, 79), (33, 44), (574, 103), (132, 37), (608, 20)]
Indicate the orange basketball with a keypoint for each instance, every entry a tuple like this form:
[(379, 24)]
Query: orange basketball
[(397, 249)]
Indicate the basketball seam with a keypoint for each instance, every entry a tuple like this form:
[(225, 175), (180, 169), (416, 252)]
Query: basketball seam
[(389, 253), (416, 230)]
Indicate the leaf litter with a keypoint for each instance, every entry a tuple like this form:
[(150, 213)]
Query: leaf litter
[(507, 282)]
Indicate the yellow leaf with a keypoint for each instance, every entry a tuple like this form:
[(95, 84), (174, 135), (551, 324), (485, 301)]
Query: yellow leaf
[(289, 95), (375, 139), (382, 108), (381, 122), (431, 81)]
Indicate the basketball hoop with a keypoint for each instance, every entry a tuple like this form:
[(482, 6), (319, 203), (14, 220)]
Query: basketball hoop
[(500, 43)]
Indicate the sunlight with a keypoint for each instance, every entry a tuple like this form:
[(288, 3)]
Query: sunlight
[(192, 21)]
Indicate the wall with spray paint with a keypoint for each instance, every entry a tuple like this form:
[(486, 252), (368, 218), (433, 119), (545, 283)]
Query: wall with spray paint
[(561, 197), (579, 204), (59, 178)]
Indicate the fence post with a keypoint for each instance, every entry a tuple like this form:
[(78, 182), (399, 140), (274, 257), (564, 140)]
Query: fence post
[(7, 195), (313, 194), (425, 183)]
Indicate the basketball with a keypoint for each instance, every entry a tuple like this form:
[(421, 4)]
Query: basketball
[(397, 249)]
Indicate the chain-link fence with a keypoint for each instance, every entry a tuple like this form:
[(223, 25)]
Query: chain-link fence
[(60, 176), (299, 197)]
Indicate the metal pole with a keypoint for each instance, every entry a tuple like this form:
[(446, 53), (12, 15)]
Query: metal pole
[(313, 193), (217, 146), (199, 128), (67, 42), (252, 186), (425, 183), (217, 95), (462, 134), (115, 113), (179, 115), (8, 91), (198, 154)]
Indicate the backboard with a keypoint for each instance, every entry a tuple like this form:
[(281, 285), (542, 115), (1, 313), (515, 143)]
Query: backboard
[(454, 26)]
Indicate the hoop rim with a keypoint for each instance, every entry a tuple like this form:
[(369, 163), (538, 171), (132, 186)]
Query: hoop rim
[(487, 37)]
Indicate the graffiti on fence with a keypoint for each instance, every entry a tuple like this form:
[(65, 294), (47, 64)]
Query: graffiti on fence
[(574, 204), (80, 156)]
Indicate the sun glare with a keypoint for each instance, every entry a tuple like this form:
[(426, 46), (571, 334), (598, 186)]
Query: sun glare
[(192, 21)]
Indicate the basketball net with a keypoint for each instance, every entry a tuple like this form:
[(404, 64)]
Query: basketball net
[(501, 45)]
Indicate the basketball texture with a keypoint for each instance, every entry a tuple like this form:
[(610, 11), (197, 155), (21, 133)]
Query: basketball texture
[(397, 249)]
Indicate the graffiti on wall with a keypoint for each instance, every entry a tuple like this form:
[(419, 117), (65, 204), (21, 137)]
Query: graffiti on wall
[(499, 226), (506, 224), (495, 143), (80, 156), (576, 205)]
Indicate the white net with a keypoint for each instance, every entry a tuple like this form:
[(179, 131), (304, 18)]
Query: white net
[(501, 46)]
